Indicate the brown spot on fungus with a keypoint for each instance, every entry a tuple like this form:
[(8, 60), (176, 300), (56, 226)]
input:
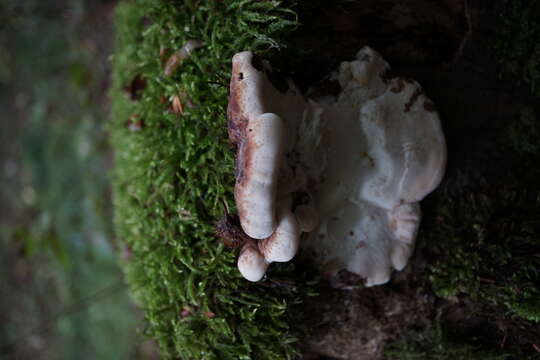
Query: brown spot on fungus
[(368, 158), (398, 86), (361, 244), (429, 106), (412, 100)]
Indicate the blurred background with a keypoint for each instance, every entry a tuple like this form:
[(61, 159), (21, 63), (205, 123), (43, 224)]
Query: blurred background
[(62, 295)]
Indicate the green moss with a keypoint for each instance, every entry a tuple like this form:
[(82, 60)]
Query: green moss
[(489, 238), (484, 232), (524, 133), (173, 174), (437, 344), (516, 43)]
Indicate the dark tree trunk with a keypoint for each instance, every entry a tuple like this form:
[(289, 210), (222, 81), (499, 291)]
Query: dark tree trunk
[(445, 46)]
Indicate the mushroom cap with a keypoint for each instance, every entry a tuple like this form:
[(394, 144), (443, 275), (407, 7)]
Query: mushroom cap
[(283, 245), (385, 151), (363, 78), (252, 93), (246, 95), (404, 136), (355, 238), (262, 124), (258, 162), (251, 263)]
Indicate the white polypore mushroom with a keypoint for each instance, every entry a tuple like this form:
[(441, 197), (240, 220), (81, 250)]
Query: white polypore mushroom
[(262, 124), (385, 152), (365, 160), (282, 246), (260, 120), (259, 159), (251, 262), (408, 142)]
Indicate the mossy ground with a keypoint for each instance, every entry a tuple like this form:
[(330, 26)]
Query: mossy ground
[(174, 170), (516, 44), (437, 344)]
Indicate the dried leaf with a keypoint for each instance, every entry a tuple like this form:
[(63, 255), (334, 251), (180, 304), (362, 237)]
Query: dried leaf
[(136, 87), (176, 59), (176, 105), (209, 314), (185, 215), (186, 312), (134, 124)]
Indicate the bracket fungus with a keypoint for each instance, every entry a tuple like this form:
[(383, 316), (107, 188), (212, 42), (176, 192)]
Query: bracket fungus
[(339, 176)]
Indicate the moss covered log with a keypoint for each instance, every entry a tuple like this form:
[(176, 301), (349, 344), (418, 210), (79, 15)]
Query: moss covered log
[(174, 171)]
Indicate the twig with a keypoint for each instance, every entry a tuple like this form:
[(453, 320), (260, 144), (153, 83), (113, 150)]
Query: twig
[(504, 340), (225, 206), (467, 35)]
